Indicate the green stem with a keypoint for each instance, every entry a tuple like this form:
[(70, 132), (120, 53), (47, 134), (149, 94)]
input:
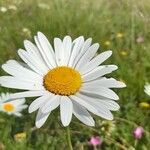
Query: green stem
[(95, 148), (135, 143), (69, 138)]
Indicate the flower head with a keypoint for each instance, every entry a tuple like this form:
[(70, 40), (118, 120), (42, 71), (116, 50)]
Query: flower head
[(68, 75), (140, 39), (144, 105), (138, 132), (107, 43), (3, 9), (13, 107), (20, 136), (119, 35), (12, 7), (95, 140), (108, 127), (26, 32), (147, 89), (124, 53), (43, 6)]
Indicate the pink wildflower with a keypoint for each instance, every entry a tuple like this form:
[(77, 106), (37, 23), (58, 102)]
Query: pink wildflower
[(95, 141), (138, 132)]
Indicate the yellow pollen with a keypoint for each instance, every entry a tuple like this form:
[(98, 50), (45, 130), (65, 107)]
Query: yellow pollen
[(8, 107), (63, 81)]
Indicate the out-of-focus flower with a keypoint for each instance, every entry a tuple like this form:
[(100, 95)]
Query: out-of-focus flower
[(119, 35), (2, 146), (138, 132), (20, 136), (107, 43), (26, 32), (124, 53), (147, 89), (144, 105), (3, 9), (12, 7), (108, 127), (13, 107), (95, 140), (43, 6), (140, 39), (18, 1)]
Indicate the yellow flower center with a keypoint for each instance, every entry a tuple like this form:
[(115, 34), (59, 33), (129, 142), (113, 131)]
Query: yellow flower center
[(8, 107), (63, 81)]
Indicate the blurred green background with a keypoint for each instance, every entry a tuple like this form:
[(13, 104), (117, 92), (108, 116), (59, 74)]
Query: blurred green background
[(120, 25)]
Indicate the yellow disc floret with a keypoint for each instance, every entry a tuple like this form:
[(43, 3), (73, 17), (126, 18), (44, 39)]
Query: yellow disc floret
[(63, 81), (8, 107)]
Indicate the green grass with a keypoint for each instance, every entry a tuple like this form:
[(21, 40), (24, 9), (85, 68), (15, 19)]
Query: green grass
[(101, 20)]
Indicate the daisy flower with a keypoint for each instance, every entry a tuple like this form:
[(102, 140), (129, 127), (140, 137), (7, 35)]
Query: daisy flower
[(13, 107), (68, 75)]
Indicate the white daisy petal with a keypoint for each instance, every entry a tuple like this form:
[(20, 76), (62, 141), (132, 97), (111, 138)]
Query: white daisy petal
[(33, 51), (4, 97), (66, 108), (39, 102), (59, 51), (104, 103), (42, 52), (102, 91), (36, 62), (99, 105), (21, 107), (41, 119), (82, 114), (99, 72), (31, 63), (47, 49), (76, 49), (108, 83), (67, 47), (147, 89), (87, 56), (51, 104), (14, 68), (84, 48), (95, 62), (93, 108), (18, 114), (18, 102), (27, 94), (13, 82)]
